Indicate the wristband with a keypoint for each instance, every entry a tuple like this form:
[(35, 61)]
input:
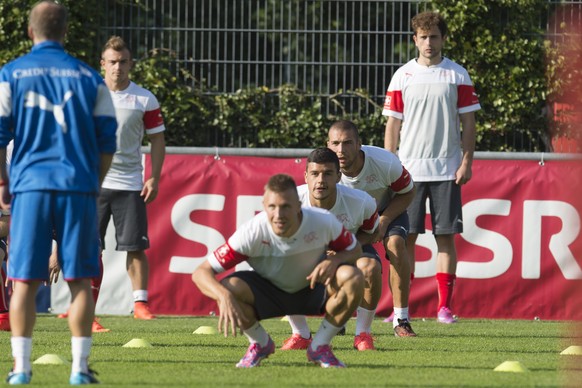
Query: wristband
[(3, 183)]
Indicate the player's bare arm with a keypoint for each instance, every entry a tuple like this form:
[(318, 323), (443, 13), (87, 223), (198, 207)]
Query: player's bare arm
[(104, 164), (4, 225), (392, 134), (464, 172), (54, 267), (325, 271), (5, 197), (366, 238), (231, 314), (158, 154), (396, 207)]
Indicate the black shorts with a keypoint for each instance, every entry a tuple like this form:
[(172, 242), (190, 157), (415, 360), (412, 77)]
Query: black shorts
[(128, 210), (271, 301), (399, 226), (368, 250), (446, 212)]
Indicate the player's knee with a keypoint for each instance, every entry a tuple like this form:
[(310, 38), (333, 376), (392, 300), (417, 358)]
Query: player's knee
[(238, 287), (396, 249), (350, 280), (370, 268)]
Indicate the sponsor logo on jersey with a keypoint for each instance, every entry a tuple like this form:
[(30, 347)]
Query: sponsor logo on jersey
[(372, 178), (310, 237), (36, 100), (343, 218)]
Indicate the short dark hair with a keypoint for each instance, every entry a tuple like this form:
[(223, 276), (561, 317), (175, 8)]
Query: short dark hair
[(346, 125), (280, 183), (323, 155), (427, 20), (116, 43), (48, 20)]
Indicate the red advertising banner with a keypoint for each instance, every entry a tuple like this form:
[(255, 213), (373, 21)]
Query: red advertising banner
[(520, 255)]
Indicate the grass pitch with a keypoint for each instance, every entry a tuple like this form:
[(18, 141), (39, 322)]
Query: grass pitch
[(463, 354)]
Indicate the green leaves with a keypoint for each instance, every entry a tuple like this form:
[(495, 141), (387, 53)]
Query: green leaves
[(516, 69), (500, 43)]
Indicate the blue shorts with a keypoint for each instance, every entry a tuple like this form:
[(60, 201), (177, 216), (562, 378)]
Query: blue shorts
[(73, 217)]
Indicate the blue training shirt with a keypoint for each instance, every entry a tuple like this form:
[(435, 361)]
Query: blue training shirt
[(60, 114)]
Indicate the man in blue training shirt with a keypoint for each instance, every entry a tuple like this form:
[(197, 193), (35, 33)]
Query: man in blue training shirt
[(60, 114)]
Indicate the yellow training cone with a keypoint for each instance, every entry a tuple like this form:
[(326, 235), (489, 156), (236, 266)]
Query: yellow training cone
[(137, 343), (285, 318), (510, 366), (205, 330), (50, 359), (573, 351)]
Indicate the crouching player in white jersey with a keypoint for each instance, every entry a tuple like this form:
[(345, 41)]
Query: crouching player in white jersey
[(357, 211), (379, 173), (287, 247)]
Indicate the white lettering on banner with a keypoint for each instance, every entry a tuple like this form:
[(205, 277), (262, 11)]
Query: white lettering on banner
[(192, 231), (500, 245), (533, 212), (426, 268), (496, 242), (246, 208)]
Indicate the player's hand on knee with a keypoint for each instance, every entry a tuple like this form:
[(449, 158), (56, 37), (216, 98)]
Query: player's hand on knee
[(323, 273), (231, 317)]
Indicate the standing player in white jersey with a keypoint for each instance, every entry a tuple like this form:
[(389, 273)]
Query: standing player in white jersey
[(287, 246), (124, 193), (357, 211), (425, 101), (379, 173)]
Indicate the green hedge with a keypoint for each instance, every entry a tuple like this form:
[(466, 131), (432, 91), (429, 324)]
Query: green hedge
[(514, 68)]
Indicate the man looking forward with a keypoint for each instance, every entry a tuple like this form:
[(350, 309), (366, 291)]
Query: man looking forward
[(425, 101)]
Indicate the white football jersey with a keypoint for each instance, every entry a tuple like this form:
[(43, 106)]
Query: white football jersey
[(428, 100), (355, 209), (381, 176), (284, 261), (137, 111)]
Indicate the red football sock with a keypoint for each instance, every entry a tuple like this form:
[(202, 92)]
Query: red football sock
[(96, 282), (446, 284)]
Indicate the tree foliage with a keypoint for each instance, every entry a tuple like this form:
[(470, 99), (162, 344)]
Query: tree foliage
[(500, 44), (514, 66), (82, 38)]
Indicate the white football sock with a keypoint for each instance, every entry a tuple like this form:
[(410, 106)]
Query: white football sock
[(140, 296), (21, 351), (80, 349), (324, 335), (299, 325), (364, 320), (399, 313), (257, 334)]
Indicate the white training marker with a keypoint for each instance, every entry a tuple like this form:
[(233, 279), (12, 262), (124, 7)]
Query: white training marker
[(510, 366), (138, 343), (50, 359)]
